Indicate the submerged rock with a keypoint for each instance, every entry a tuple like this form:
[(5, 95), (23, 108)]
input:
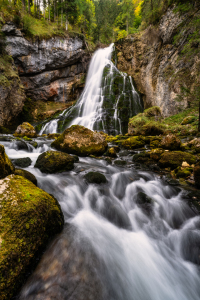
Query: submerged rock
[(175, 159), (29, 217), (54, 162), (6, 166), (22, 162), (26, 175), (25, 129), (80, 141), (95, 177)]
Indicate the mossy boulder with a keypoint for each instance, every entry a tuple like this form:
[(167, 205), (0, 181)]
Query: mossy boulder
[(153, 111), (120, 162), (29, 218), (170, 142), (6, 166), (155, 154), (183, 172), (80, 141), (54, 162), (111, 152), (4, 130), (53, 136), (174, 159), (25, 129), (27, 175), (155, 141), (22, 162), (188, 120), (141, 157), (133, 142), (95, 177), (194, 145)]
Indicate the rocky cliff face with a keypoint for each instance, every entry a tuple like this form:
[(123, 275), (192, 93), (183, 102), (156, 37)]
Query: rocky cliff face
[(156, 60), (49, 70)]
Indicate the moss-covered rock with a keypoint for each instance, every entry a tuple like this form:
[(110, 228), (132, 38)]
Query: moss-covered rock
[(54, 162), (27, 175), (95, 177), (80, 141), (25, 129), (141, 157), (6, 166), (155, 141), (170, 142), (111, 152), (153, 111), (22, 162), (188, 120), (183, 172), (53, 136), (155, 154), (194, 145), (4, 130), (133, 142), (175, 159), (120, 162), (29, 217)]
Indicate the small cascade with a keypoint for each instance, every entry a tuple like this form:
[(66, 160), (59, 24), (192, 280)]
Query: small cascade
[(109, 99)]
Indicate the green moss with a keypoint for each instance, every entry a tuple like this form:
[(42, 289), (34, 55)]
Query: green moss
[(175, 159), (133, 142), (29, 218)]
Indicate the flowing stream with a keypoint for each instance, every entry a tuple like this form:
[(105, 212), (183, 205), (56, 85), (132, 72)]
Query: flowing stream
[(108, 100), (133, 238)]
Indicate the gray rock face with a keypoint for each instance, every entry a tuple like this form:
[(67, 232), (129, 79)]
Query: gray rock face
[(153, 60), (47, 68)]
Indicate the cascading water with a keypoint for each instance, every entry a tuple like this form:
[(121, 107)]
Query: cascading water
[(133, 238), (107, 102)]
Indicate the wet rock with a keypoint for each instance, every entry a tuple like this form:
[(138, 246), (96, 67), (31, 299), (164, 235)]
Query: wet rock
[(175, 159), (76, 158), (95, 177), (27, 175), (170, 142), (21, 145), (80, 141), (109, 161), (183, 172), (53, 135), (111, 152), (29, 217), (144, 202), (72, 274), (54, 162), (25, 129), (141, 157), (194, 145), (133, 142), (22, 162), (120, 162), (6, 166), (124, 153)]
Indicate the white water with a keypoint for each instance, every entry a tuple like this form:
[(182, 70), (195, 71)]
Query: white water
[(143, 254), (89, 110)]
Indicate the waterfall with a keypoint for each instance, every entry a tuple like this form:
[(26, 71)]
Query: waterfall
[(108, 100)]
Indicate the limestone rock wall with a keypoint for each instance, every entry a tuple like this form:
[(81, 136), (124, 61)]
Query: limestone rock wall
[(47, 68), (156, 63)]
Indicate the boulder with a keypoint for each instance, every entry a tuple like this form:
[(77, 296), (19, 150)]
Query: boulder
[(111, 152), (80, 141), (181, 172), (175, 159), (29, 217), (20, 144), (133, 142), (141, 157), (120, 162), (95, 177), (194, 145), (22, 162), (155, 154), (25, 129), (54, 162), (170, 142), (155, 142), (6, 166), (27, 175)]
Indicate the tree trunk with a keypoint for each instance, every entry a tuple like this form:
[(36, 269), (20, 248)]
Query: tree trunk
[(29, 8), (49, 9)]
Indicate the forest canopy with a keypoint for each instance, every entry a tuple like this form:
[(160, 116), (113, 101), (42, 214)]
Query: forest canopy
[(101, 21)]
